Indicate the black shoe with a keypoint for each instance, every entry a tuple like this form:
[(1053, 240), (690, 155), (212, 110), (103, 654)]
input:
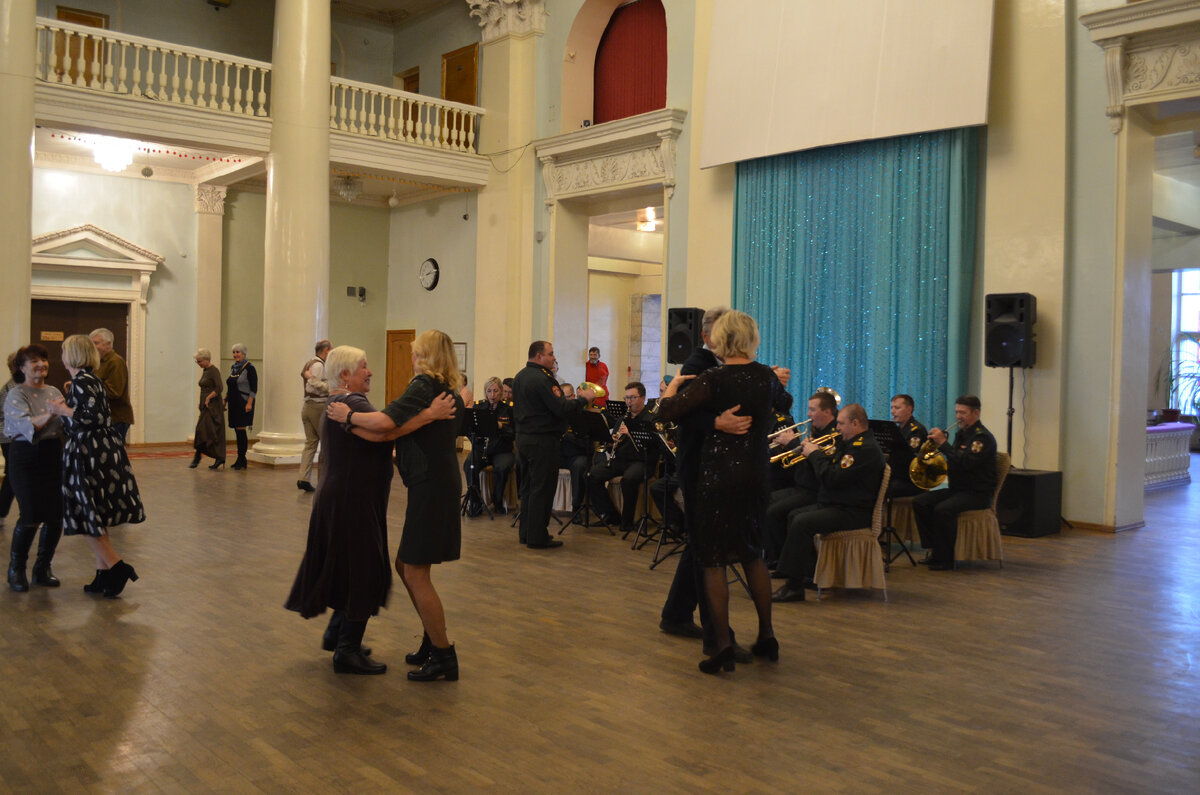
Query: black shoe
[(810, 584), (43, 576), (329, 643), (17, 580), (941, 565), (218, 464), (721, 661), (241, 464), (419, 656), (780, 575), (118, 576), (195, 461), (741, 655), (441, 664), (790, 591), (355, 662), (766, 647), (552, 543), (683, 629), (97, 585), (303, 485)]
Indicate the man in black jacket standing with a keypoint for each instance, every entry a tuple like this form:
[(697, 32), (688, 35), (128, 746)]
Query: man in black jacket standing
[(540, 416)]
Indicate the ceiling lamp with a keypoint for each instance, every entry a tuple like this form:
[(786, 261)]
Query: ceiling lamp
[(114, 154), (348, 187), (646, 221)]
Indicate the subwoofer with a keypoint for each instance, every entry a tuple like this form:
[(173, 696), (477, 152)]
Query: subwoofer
[(1030, 503), (1008, 330), (683, 332)]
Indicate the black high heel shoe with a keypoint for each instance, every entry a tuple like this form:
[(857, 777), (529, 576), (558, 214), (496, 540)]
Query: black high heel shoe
[(218, 464), (722, 660), (419, 656), (766, 647), (195, 461), (120, 574), (97, 585)]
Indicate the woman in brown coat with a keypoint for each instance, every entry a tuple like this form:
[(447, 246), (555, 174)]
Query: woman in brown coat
[(210, 427)]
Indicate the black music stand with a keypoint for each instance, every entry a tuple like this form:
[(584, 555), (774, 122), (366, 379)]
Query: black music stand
[(672, 483), (646, 440), (614, 412), (589, 425), (887, 436), (480, 425)]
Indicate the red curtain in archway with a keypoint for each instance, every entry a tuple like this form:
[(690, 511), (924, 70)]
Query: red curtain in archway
[(631, 63)]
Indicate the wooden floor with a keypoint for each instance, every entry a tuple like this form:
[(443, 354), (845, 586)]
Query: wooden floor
[(1073, 668)]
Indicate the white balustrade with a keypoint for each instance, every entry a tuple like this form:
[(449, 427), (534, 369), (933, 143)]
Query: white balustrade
[(1167, 455), (364, 109)]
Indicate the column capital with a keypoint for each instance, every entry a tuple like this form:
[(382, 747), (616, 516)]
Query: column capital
[(501, 18), (210, 199)]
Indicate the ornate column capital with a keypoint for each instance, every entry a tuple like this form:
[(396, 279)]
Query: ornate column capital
[(500, 18), (210, 199)]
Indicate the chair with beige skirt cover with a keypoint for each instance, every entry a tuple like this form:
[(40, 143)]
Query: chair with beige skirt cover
[(979, 531), (852, 558)]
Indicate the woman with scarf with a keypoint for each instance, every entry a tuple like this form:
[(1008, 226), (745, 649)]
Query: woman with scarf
[(242, 386)]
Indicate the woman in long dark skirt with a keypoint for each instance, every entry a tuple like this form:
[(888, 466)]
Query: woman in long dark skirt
[(210, 426), (429, 466), (345, 565)]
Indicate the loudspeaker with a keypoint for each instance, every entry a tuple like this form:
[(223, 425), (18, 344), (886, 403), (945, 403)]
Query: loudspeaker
[(1030, 503), (1008, 330), (683, 332)]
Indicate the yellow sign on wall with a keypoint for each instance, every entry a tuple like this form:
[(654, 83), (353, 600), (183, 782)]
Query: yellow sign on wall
[(52, 336)]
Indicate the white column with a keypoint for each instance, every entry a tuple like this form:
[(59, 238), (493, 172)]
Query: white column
[(296, 267), (210, 214), (16, 168)]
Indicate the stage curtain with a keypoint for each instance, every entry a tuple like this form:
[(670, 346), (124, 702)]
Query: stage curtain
[(631, 63), (857, 262)]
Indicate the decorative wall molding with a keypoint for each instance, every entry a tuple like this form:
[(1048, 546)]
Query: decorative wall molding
[(1151, 53), (500, 18), (210, 199), (93, 253), (627, 153)]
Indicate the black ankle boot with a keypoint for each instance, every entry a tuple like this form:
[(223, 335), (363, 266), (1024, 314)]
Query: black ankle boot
[(441, 664), (195, 461), (47, 543), (22, 540), (218, 464), (419, 656), (97, 585), (120, 573), (240, 463)]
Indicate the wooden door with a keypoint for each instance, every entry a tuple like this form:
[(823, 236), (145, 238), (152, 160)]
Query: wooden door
[(51, 322), (66, 54), (399, 362), (460, 81), (409, 80)]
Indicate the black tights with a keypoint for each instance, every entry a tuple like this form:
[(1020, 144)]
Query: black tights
[(243, 442), (717, 586)]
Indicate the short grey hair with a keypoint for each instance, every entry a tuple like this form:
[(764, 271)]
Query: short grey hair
[(202, 353), (240, 348), (103, 334), (322, 345), (711, 317), (342, 359)]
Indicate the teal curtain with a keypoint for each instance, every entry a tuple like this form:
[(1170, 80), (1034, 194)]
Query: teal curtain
[(857, 263)]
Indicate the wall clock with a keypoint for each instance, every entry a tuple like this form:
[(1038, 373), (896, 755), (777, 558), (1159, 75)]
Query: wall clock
[(429, 273)]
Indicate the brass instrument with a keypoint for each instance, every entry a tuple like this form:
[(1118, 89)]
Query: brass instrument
[(836, 397), (789, 458), (929, 467), (600, 391), (773, 434)]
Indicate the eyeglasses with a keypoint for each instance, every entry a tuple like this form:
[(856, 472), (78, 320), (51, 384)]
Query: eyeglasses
[(632, 397)]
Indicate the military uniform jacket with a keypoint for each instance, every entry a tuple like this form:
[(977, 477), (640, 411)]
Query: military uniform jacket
[(850, 477), (537, 411), (503, 412), (803, 472), (912, 435), (972, 460), (641, 424)]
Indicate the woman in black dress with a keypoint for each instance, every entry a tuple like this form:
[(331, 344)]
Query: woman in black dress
[(240, 393), (210, 427), (428, 465), (734, 479), (99, 490)]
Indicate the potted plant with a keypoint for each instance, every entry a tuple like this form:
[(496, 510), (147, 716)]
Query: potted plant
[(1180, 380)]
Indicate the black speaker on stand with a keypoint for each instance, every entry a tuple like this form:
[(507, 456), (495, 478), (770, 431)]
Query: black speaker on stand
[(683, 332), (1008, 339)]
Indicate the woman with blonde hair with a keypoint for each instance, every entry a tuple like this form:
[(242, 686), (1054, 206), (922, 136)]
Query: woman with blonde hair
[(429, 468), (734, 482), (210, 427), (99, 490)]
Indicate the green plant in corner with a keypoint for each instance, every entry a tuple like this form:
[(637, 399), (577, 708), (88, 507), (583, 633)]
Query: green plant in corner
[(1180, 380)]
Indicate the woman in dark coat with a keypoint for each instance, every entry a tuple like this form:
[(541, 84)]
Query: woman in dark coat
[(210, 427), (734, 483), (240, 394), (345, 565), (428, 464), (99, 490)]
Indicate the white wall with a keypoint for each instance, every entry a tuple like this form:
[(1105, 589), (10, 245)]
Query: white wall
[(423, 42), (362, 51), (608, 323), (157, 216)]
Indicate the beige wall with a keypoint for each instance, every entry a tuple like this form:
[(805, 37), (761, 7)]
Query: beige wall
[(1161, 308), (608, 323)]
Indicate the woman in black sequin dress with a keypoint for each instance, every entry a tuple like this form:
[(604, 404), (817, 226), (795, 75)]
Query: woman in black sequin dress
[(734, 482)]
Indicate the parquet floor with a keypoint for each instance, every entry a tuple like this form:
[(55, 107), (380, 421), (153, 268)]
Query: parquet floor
[(1073, 668)]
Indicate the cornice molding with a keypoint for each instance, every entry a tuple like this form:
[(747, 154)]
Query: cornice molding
[(627, 153), (516, 18), (117, 249)]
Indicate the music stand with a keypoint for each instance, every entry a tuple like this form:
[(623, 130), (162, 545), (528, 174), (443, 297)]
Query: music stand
[(589, 425), (887, 435), (615, 412), (647, 440), (481, 426)]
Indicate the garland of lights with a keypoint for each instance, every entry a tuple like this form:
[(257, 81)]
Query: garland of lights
[(153, 150)]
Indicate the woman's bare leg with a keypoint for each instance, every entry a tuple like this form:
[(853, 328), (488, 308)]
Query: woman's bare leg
[(427, 602), (102, 550)]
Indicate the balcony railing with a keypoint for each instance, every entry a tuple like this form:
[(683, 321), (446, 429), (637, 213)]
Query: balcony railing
[(116, 63)]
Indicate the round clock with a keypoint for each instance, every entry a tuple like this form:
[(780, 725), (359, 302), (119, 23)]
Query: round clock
[(429, 273)]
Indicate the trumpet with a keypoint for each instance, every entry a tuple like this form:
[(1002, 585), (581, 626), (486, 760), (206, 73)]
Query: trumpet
[(788, 428), (789, 458)]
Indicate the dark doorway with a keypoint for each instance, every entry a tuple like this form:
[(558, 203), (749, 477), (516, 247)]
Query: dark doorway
[(54, 321)]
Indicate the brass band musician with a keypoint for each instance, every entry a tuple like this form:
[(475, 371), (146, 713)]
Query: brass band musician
[(496, 451), (912, 436), (630, 459)]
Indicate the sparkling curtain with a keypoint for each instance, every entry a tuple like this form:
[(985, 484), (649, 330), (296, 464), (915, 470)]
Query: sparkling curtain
[(857, 263)]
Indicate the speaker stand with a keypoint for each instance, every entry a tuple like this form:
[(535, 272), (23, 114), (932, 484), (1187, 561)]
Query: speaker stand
[(1011, 410)]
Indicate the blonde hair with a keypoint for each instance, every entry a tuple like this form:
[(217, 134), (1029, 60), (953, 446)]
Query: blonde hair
[(735, 334), (202, 353), (434, 352), (342, 359), (496, 382), (78, 351)]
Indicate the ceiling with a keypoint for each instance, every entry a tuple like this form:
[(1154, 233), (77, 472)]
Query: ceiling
[(389, 12)]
